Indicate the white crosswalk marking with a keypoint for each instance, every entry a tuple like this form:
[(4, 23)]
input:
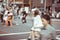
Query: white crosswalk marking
[(14, 33), (22, 39)]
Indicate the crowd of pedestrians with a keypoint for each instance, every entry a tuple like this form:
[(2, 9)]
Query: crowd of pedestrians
[(42, 28)]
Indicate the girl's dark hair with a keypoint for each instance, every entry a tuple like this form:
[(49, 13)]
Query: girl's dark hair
[(36, 12), (47, 17)]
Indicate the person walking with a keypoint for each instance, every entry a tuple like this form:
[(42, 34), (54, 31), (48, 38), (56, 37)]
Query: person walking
[(24, 17), (37, 25)]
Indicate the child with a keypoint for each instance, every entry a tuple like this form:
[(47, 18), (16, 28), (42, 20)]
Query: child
[(37, 24), (48, 32)]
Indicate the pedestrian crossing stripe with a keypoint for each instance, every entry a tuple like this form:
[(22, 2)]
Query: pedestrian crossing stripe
[(22, 39), (14, 33), (57, 30)]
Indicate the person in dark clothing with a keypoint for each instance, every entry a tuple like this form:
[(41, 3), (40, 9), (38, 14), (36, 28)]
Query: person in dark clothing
[(1, 17), (24, 17)]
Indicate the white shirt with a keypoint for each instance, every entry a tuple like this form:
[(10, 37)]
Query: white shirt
[(10, 14), (34, 9), (37, 21), (5, 15)]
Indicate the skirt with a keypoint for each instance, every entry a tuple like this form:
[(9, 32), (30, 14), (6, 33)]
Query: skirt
[(36, 29)]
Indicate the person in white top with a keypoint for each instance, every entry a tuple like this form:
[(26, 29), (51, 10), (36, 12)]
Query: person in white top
[(7, 16), (34, 9), (37, 25), (9, 19)]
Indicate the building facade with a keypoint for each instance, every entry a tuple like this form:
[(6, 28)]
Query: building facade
[(42, 4)]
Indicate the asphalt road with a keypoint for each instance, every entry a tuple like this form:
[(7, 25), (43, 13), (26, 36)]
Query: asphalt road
[(21, 31)]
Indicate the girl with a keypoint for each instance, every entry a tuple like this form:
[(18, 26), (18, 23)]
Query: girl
[(48, 32), (37, 24)]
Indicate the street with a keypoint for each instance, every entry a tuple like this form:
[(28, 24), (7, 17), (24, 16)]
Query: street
[(21, 31)]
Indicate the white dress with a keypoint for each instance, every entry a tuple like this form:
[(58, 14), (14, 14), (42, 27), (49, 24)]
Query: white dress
[(37, 23)]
